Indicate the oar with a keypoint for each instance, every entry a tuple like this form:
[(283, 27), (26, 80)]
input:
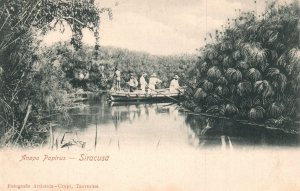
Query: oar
[(163, 94)]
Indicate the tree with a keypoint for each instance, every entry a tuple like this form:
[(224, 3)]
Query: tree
[(21, 22)]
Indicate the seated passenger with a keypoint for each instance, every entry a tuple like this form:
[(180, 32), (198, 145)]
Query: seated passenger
[(133, 83), (152, 82), (174, 85)]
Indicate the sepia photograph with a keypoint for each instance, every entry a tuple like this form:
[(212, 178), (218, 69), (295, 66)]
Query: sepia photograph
[(149, 95)]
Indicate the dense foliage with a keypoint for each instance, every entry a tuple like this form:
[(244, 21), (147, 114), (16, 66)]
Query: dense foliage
[(85, 70), (251, 69), (29, 83)]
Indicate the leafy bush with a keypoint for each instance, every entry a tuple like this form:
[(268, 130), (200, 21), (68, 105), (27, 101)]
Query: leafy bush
[(252, 68)]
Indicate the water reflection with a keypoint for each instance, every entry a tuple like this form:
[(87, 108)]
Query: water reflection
[(154, 126), (212, 132)]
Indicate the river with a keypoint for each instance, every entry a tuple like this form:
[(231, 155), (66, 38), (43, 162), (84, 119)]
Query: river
[(99, 124)]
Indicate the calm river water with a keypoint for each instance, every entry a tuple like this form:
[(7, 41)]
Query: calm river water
[(156, 147), (99, 124)]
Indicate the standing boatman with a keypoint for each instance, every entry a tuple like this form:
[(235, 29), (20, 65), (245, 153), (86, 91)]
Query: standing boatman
[(143, 82), (118, 78)]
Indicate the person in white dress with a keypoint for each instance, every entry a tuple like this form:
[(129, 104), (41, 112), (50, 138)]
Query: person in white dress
[(152, 82), (143, 82), (174, 85)]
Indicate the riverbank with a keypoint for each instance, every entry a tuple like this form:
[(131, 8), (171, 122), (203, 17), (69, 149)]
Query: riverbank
[(284, 124)]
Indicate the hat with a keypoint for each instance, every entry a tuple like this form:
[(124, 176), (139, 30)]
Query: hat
[(176, 76), (153, 75)]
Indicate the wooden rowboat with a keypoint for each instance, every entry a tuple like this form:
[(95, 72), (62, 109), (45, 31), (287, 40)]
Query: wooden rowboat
[(157, 96)]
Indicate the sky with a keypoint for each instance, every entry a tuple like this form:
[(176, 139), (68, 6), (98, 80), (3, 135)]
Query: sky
[(162, 27)]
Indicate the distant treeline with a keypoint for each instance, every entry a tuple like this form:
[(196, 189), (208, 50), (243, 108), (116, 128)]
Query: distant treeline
[(93, 70)]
